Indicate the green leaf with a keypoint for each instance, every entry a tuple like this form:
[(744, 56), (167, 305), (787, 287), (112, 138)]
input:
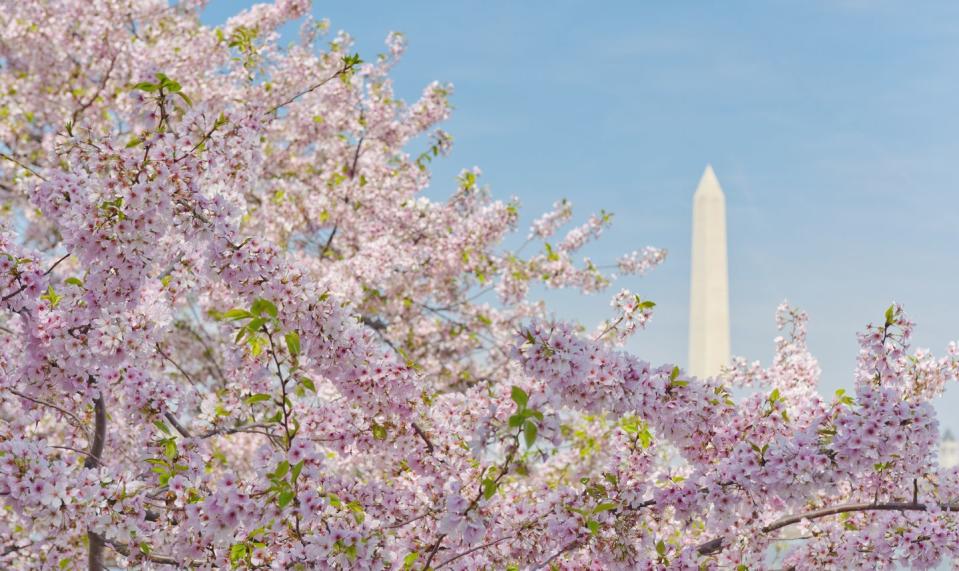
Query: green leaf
[(293, 343), (890, 315), (281, 470), (645, 437), (516, 421), (146, 86), (237, 552), (593, 526), (774, 396), (674, 374), (169, 449), (308, 383), (660, 548), (379, 431), (489, 488), (604, 507), (335, 500), (295, 472), (357, 509), (529, 433), (52, 297), (259, 397), (410, 560), (285, 498), (163, 427), (261, 306), (237, 313), (520, 397)]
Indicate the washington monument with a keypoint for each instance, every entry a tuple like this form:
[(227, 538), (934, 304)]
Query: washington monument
[(709, 282)]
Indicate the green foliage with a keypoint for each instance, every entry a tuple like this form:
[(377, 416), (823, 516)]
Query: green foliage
[(283, 482), (162, 87), (843, 398), (525, 418), (51, 297), (890, 315), (637, 427)]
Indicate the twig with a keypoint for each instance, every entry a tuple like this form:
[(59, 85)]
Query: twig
[(46, 273), (71, 449), (103, 83), (175, 364), (23, 166), (477, 548), (234, 430), (125, 551), (76, 420), (421, 434), (313, 87), (176, 424), (569, 546)]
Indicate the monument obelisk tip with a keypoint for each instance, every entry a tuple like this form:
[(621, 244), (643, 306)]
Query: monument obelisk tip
[(708, 183)]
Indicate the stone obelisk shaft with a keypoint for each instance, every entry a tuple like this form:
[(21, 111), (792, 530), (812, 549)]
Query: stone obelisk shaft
[(709, 283)]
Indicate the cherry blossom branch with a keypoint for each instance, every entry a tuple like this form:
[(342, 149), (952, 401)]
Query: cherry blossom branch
[(234, 430), (103, 84), (473, 550), (421, 434), (346, 67), (23, 166), (95, 554), (71, 449), (124, 550), (283, 404), (504, 469), (568, 547), (175, 364), (46, 273), (176, 425), (716, 545), (65, 412)]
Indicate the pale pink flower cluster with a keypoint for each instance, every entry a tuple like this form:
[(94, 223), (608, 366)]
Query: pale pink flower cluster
[(235, 333), (547, 224), (638, 262)]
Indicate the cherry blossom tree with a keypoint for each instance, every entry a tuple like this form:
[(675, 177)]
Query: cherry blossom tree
[(235, 334)]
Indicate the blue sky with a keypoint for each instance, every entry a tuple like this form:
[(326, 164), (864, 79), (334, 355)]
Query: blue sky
[(832, 127)]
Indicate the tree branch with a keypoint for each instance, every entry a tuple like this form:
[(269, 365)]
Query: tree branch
[(716, 545), (176, 424), (421, 434), (313, 87), (95, 559), (79, 423), (234, 430), (23, 166), (477, 548), (46, 273), (125, 551)]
